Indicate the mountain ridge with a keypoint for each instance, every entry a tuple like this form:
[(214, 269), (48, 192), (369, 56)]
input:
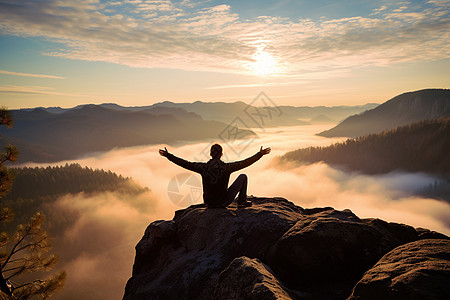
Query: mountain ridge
[(400, 110), (42, 136), (227, 111)]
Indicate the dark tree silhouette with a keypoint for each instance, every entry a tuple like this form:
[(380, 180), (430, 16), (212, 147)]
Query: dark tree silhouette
[(24, 251)]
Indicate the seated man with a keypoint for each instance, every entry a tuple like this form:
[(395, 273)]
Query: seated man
[(216, 174)]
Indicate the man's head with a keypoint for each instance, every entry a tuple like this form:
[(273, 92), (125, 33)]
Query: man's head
[(216, 151)]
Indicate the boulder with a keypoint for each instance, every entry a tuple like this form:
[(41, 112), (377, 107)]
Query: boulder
[(250, 279), (326, 252), (417, 270)]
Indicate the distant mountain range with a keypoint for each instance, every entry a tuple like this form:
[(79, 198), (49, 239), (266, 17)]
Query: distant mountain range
[(50, 135), (269, 115), (54, 133), (260, 114), (403, 109)]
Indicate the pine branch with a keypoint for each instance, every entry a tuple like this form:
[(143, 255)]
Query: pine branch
[(21, 270), (13, 251), (30, 283), (35, 244), (11, 269), (6, 118), (12, 261)]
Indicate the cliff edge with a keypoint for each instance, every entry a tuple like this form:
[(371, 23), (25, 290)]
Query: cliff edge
[(277, 250)]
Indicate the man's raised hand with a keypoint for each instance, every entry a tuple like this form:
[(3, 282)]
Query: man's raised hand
[(163, 152), (264, 151)]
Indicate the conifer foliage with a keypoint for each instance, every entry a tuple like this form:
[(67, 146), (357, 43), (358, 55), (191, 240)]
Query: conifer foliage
[(23, 253), (418, 147)]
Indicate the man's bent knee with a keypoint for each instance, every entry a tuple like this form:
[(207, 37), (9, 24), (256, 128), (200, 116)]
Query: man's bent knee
[(243, 176)]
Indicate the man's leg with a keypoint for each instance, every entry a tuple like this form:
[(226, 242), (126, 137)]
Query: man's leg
[(238, 186)]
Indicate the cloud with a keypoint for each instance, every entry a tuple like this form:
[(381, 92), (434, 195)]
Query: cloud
[(32, 90), (189, 3), (161, 5), (388, 196), (391, 197), (443, 3), (192, 36), (378, 10), (97, 250), (241, 86), (30, 75), (367, 196)]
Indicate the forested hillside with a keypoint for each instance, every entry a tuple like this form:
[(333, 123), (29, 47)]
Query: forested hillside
[(34, 189), (94, 219), (418, 147)]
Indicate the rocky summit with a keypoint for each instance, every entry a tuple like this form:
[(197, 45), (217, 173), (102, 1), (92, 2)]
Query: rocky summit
[(277, 250)]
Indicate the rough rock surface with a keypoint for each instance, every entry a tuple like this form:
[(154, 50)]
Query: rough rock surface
[(182, 258), (316, 253), (247, 278), (418, 270)]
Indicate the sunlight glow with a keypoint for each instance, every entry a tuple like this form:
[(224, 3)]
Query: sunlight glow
[(264, 63)]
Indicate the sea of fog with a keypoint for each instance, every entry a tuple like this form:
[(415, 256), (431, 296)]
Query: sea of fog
[(111, 224)]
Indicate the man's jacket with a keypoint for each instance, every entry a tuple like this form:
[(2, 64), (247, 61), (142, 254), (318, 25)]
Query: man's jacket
[(215, 175)]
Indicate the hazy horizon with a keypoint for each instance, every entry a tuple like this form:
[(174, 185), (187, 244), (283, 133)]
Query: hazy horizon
[(185, 102)]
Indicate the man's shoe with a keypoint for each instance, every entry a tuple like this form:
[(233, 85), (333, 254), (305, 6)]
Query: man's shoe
[(244, 204)]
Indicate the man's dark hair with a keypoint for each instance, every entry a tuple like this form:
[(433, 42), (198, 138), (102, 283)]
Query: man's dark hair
[(216, 151)]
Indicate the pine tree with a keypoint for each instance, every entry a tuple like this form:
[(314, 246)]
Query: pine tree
[(24, 251)]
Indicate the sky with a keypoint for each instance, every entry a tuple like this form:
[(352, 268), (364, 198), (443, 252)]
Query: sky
[(299, 52)]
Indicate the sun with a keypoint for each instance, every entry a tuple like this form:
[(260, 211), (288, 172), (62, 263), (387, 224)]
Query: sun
[(264, 63)]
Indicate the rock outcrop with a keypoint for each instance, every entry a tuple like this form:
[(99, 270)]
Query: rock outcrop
[(418, 270), (272, 250), (247, 278)]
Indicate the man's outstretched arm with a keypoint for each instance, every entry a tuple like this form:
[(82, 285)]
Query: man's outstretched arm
[(235, 166), (195, 167)]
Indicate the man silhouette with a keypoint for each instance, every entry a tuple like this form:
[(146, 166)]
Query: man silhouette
[(216, 174)]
